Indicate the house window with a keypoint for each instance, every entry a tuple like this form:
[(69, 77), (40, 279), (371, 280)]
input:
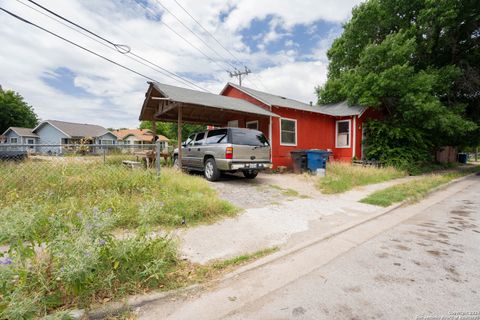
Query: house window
[(13, 140), (342, 138), (288, 132), (252, 125), (106, 141), (30, 141)]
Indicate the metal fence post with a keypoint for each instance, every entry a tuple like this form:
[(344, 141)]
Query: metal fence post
[(157, 156), (104, 159)]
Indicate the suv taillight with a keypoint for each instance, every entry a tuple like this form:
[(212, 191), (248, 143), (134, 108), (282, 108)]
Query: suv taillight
[(229, 153)]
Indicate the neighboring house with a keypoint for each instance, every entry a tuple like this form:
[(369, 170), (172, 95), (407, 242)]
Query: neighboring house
[(138, 137), (337, 127), (51, 133), (18, 135)]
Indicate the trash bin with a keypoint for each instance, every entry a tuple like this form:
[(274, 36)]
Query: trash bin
[(299, 160), (462, 158), (317, 159)]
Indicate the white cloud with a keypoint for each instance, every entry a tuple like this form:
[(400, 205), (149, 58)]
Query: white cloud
[(114, 99)]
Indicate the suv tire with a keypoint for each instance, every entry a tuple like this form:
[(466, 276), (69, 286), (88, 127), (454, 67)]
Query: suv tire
[(250, 174), (211, 171)]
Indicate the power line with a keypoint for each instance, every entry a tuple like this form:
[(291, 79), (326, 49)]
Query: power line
[(76, 45), (216, 40), (182, 37), (161, 71), (211, 35), (119, 47), (196, 36), (124, 49)]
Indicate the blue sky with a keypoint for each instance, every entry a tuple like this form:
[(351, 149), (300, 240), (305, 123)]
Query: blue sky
[(283, 42)]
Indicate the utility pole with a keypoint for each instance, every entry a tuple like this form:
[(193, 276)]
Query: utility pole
[(238, 74)]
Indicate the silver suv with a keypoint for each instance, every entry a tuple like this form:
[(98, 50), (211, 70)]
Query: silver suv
[(225, 150)]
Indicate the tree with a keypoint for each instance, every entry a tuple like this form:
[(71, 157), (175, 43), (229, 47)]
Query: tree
[(169, 129), (418, 61), (15, 112)]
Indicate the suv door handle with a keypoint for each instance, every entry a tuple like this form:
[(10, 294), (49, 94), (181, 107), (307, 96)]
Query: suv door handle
[(198, 149), (189, 149)]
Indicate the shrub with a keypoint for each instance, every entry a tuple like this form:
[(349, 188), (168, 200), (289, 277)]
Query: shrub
[(82, 263)]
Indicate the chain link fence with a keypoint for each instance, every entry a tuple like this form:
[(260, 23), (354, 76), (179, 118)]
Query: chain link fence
[(35, 156)]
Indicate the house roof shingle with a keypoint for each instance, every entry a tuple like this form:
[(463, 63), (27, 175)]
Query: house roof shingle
[(337, 109), (141, 135), (73, 129), (23, 132)]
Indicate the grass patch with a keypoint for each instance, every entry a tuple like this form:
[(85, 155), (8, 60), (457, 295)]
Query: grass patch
[(33, 193), (416, 189), (59, 219), (189, 273), (342, 177)]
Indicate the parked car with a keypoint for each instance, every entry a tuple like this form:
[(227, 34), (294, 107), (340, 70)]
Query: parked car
[(225, 150)]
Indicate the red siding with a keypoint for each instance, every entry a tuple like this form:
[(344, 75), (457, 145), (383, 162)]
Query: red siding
[(314, 130)]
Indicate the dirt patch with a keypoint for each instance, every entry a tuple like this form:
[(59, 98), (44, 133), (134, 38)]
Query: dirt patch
[(355, 289), (402, 247), (434, 253)]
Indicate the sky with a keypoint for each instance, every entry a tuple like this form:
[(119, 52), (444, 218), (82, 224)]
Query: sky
[(283, 43)]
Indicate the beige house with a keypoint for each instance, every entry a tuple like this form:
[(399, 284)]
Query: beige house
[(139, 137)]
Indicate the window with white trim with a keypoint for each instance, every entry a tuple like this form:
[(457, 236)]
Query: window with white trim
[(252, 125), (342, 138), (106, 141), (288, 132), (13, 140)]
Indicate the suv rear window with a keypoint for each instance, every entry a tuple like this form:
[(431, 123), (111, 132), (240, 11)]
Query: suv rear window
[(249, 138), (217, 136)]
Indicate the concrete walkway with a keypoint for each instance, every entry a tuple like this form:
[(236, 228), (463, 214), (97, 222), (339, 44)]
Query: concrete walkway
[(240, 291), (292, 221)]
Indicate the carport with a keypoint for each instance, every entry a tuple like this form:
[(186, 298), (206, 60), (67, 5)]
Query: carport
[(175, 104)]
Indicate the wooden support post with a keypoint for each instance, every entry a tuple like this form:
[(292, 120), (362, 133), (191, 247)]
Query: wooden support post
[(179, 136), (154, 130)]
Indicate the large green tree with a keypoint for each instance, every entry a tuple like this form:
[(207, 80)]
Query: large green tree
[(15, 112), (418, 61)]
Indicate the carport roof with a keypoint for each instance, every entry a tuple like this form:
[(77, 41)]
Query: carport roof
[(161, 100)]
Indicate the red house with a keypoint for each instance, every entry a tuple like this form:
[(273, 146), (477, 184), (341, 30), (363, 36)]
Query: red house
[(337, 127), (289, 124)]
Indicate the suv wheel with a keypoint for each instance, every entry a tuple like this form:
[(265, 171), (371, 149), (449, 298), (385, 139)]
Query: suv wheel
[(250, 174), (211, 171)]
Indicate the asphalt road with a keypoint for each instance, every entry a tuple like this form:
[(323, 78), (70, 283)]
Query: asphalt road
[(428, 265)]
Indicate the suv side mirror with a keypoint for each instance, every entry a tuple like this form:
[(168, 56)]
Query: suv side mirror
[(184, 144)]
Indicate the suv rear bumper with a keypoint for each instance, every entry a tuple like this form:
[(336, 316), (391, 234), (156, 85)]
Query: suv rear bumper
[(242, 165)]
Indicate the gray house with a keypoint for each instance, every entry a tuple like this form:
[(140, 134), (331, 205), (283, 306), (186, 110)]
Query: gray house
[(54, 132), (18, 135)]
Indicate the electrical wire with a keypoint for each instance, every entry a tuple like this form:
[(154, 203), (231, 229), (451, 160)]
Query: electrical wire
[(122, 48), (196, 36), (182, 37), (76, 45), (116, 47), (216, 40)]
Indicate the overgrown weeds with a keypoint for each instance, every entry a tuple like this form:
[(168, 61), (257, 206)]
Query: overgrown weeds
[(342, 177), (59, 218), (415, 189)]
